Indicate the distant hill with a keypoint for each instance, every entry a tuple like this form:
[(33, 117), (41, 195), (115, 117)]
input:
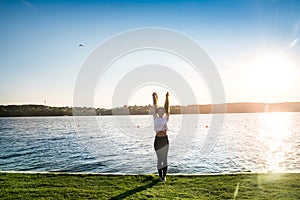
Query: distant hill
[(33, 110), (41, 110)]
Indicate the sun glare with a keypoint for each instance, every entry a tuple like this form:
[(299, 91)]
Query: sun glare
[(270, 75), (273, 137)]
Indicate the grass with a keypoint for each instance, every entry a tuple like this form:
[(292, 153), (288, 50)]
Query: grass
[(96, 186)]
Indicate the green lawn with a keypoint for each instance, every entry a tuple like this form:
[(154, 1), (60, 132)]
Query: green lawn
[(93, 186)]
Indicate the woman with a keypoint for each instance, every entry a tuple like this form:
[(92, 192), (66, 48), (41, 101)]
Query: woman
[(161, 142)]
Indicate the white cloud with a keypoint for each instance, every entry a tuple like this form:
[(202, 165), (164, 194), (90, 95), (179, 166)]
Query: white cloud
[(28, 4), (293, 43)]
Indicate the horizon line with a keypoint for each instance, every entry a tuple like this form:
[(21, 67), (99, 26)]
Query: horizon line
[(241, 102)]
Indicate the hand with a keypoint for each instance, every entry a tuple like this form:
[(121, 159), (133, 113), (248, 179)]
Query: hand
[(167, 107), (155, 98)]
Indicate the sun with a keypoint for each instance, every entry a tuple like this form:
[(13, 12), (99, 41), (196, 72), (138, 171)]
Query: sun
[(270, 75)]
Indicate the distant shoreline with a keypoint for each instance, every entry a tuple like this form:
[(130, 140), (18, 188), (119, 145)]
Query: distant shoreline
[(43, 110)]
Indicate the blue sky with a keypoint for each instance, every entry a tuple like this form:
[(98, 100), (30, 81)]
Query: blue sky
[(40, 58)]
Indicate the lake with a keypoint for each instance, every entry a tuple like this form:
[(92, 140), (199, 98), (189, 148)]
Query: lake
[(256, 142)]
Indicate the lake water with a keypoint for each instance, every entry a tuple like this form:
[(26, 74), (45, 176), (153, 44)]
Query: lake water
[(258, 142)]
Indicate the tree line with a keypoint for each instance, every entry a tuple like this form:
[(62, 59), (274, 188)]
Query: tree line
[(42, 110)]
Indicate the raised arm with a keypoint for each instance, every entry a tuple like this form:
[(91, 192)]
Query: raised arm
[(155, 98), (167, 105)]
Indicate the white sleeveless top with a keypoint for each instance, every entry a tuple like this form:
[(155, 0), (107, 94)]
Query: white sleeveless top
[(160, 123)]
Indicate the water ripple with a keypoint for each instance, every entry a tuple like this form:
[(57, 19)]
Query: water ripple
[(248, 142)]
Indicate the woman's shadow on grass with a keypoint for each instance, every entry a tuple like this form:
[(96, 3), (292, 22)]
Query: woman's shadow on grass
[(138, 189)]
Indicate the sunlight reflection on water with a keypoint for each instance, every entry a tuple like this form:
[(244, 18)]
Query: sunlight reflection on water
[(275, 136), (256, 142)]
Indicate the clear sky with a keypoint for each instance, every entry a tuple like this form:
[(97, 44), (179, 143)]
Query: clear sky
[(254, 44)]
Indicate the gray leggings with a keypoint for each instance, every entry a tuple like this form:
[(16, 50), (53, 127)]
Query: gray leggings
[(161, 146)]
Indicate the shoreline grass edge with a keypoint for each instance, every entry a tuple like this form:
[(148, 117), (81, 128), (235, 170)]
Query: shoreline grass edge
[(64, 185)]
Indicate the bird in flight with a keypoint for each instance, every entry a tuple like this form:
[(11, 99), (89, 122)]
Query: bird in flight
[(80, 45)]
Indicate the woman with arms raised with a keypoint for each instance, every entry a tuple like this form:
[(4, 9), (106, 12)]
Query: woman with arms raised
[(161, 142)]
